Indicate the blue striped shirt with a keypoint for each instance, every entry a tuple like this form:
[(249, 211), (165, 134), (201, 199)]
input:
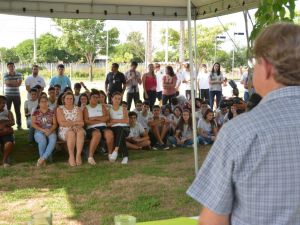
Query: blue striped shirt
[(252, 171), (12, 91)]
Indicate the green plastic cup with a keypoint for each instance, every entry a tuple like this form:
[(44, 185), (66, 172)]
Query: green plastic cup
[(125, 220)]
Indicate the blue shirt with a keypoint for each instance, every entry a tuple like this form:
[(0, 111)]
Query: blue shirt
[(63, 81), (252, 171)]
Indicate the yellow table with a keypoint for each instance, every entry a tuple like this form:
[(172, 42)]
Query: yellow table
[(177, 221)]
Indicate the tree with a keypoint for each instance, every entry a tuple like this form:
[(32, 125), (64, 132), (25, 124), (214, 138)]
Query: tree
[(24, 51), (172, 55), (270, 12), (132, 50), (86, 36), (205, 42), (8, 55), (49, 50)]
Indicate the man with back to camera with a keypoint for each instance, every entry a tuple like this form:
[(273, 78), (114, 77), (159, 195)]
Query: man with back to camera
[(115, 82), (61, 79), (13, 81), (254, 178)]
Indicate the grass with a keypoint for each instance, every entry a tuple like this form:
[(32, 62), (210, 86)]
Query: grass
[(151, 187)]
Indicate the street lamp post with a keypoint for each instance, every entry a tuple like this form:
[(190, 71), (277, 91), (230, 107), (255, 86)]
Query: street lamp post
[(216, 39), (235, 33)]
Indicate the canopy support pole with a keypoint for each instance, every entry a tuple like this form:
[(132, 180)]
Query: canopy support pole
[(192, 71)]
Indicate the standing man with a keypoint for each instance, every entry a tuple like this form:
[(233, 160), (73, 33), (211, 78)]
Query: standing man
[(33, 80), (133, 79), (61, 79), (203, 83), (13, 81), (251, 174), (244, 82), (115, 82), (159, 74)]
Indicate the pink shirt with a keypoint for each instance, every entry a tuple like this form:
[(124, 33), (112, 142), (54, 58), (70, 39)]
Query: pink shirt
[(171, 83)]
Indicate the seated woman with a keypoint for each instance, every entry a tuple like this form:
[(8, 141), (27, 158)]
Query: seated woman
[(207, 128), (6, 130), (119, 125), (95, 117), (138, 138), (70, 120), (176, 117), (184, 131), (44, 123), (103, 99), (83, 101)]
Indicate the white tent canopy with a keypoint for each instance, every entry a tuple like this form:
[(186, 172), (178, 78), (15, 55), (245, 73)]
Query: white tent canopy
[(155, 10)]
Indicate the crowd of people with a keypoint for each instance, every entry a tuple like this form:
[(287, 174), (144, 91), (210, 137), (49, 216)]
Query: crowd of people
[(104, 119)]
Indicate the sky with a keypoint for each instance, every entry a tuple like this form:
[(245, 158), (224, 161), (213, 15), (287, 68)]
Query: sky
[(15, 29)]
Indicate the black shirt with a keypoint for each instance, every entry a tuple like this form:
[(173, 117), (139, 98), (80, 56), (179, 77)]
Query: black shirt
[(115, 81)]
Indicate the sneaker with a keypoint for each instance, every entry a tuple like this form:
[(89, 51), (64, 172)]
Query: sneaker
[(91, 161), (165, 147), (156, 147), (125, 160), (114, 156), (6, 165)]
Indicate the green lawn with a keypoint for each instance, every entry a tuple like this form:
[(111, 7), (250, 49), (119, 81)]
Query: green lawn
[(151, 187)]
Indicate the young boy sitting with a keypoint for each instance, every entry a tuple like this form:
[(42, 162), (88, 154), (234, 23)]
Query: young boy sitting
[(29, 107), (138, 107), (77, 88), (6, 131), (159, 127), (144, 115), (52, 101), (138, 137)]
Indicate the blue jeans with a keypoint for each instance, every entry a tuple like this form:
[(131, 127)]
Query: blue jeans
[(204, 140), (246, 96), (212, 95), (46, 144), (187, 143)]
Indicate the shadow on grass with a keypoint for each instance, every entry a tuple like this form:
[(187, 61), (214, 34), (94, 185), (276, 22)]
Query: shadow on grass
[(151, 187)]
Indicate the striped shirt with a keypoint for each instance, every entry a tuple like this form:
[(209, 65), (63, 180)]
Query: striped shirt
[(12, 91), (252, 171)]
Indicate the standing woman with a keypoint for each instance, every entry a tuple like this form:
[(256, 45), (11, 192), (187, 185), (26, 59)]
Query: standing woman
[(150, 85), (44, 124), (119, 123), (216, 80), (169, 84), (70, 120)]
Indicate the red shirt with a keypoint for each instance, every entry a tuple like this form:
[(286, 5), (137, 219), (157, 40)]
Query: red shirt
[(150, 83), (170, 90)]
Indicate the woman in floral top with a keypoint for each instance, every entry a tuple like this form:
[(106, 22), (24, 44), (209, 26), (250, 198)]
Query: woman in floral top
[(44, 123)]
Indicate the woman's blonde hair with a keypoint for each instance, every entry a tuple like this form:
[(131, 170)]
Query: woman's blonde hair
[(279, 44)]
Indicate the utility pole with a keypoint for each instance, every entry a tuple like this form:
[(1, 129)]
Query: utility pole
[(235, 33), (34, 41), (181, 42)]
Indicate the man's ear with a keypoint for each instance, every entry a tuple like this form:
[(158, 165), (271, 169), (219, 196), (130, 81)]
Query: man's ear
[(268, 68)]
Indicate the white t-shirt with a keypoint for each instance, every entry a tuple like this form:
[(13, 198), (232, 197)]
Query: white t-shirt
[(204, 126), (76, 99), (203, 80), (33, 81), (159, 74), (143, 120), (180, 78), (136, 131), (133, 83), (30, 105), (215, 77)]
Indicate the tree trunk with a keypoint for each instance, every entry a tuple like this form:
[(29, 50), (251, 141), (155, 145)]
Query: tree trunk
[(90, 72)]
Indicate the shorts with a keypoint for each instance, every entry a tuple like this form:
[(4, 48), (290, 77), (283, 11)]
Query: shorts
[(90, 131), (7, 138), (159, 95)]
